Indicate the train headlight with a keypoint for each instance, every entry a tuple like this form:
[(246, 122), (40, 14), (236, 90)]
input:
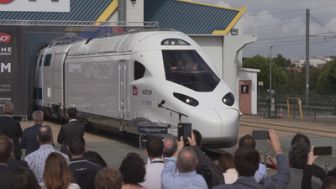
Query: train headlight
[(173, 41), (186, 99), (228, 99)]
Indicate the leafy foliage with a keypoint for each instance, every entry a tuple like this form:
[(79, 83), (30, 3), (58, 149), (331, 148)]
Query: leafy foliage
[(286, 79), (279, 76), (326, 83)]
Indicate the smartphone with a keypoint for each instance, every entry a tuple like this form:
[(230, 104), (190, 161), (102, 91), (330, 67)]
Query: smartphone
[(184, 130), (323, 150), (260, 134)]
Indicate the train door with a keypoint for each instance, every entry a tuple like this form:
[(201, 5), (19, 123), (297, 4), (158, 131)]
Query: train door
[(123, 89), (57, 80), (245, 96), (47, 80)]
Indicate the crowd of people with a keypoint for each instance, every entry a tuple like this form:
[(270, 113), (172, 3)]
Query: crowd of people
[(169, 164)]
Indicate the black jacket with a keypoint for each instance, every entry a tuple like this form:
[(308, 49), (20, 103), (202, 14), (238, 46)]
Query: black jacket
[(5, 174), (29, 139), (72, 129), (204, 163), (12, 128), (308, 172), (84, 173)]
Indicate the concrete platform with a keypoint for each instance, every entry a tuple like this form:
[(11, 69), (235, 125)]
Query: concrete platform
[(114, 148)]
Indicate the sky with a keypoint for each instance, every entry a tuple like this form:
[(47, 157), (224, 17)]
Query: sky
[(281, 24)]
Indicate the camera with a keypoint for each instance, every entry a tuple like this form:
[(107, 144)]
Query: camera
[(184, 130), (260, 134), (323, 150)]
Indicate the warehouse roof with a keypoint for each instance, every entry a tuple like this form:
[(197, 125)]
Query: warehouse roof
[(186, 16), (192, 18), (80, 10)]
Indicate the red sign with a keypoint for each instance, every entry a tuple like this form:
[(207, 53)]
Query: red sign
[(135, 90), (5, 1), (5, 38)]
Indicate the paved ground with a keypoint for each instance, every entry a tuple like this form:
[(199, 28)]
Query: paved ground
[(114, 148)]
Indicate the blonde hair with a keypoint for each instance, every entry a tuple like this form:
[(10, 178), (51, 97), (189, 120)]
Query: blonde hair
[(8, 108)]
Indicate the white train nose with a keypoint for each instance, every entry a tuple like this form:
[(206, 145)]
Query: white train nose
[(218, 127)]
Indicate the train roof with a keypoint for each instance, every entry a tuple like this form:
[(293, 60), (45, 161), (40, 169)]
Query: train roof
[(127, 42)]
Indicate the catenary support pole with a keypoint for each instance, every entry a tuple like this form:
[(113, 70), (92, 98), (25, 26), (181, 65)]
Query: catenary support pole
[(307, 56)]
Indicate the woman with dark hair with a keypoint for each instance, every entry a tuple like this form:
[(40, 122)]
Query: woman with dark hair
[(301, 139), (94, 157), (56, 173), (23, 178), (133, 171), (298, 159)]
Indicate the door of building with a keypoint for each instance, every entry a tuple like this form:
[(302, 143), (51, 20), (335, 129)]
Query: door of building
[(245, 96)]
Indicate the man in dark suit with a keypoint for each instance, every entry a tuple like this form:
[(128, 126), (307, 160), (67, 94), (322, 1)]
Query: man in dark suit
[(11, 128), (29, 137), (207, 168), (247, 163), (73, 129), (5, 152), (84, 172)]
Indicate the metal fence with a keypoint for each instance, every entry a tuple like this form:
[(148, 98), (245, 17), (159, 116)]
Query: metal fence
[(321, 108)]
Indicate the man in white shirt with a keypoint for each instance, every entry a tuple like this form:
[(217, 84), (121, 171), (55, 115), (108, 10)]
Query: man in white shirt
[(36, 160), (154, 167)]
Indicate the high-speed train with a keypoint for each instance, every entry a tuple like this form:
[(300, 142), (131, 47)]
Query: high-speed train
[(119, 82)]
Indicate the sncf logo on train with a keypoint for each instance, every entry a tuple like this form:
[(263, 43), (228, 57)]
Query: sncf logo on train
[(5, 1), (5, 38)]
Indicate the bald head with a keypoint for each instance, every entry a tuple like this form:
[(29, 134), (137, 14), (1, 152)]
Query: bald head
[(186, 160), (44, 135), (8, 108), (170, 146)]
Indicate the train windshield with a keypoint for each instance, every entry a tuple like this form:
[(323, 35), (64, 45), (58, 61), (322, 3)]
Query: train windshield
[(187, 68)]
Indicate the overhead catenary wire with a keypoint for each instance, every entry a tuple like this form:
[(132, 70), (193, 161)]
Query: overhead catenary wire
[(322, 34), (286, 12), (297, 39), (322, 24), (293, 10), (287, 44)]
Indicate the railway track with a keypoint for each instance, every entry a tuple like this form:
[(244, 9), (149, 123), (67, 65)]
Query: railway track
[(302, 127)]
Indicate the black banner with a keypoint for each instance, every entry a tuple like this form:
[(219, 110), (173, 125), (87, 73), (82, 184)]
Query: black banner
[(9, 68)]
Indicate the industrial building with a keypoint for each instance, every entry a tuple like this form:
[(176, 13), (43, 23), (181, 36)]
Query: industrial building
[(218, 30)]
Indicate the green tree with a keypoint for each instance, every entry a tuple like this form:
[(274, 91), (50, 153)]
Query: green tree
[(282, 61), (326, 83), (279, 76)]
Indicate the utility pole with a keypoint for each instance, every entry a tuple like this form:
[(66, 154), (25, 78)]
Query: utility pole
[(270, 83), (307, 57), (270, 69)]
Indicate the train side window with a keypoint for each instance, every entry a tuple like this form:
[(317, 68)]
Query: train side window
[(47, 60), (139, 70), (38, 93)]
